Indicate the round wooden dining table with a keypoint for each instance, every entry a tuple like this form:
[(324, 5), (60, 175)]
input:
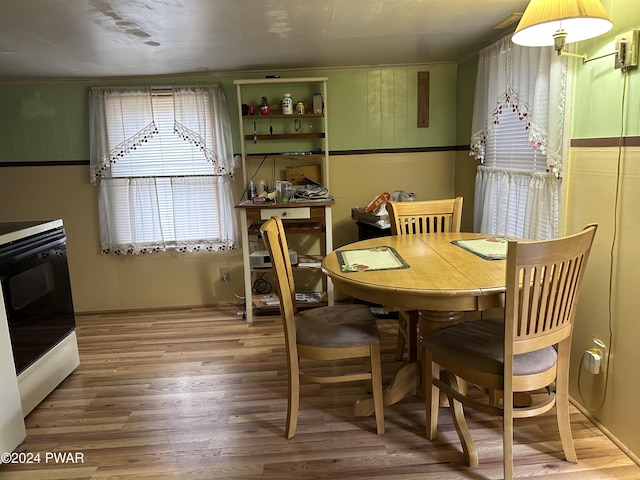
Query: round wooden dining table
[(429, 272)]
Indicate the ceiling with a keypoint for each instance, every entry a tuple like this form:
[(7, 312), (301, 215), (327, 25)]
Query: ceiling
[(119, 38)]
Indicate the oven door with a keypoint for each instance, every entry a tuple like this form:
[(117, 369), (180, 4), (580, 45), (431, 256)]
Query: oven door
[(37, 293)]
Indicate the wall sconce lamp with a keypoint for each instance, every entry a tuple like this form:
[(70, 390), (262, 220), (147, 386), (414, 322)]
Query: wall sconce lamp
[(559, 22)]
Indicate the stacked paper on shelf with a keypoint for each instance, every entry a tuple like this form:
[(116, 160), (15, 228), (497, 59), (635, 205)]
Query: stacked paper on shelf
[(309, 261), (309, 297)]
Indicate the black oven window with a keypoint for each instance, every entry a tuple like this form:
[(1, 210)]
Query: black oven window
[(28, 287), (37, 294)]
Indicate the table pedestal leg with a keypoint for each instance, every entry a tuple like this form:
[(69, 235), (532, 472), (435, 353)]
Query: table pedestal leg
[(431, 321), (408, 378), (405, 381)]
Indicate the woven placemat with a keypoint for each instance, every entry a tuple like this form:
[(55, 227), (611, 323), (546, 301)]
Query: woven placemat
[(370, 259), (490, 248)]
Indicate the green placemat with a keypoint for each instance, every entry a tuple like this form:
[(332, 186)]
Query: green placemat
[(490, 248), (370, 259)]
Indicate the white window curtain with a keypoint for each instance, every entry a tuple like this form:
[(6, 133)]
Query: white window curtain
[(518, 128), (163, 163), (520, 204)]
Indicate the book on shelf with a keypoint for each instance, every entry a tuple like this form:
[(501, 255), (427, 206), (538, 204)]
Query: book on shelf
[(265, 300), (309, 261)]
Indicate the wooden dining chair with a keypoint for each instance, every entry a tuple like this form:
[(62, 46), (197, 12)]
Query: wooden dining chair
[(410, 218), (526, 351), (336, 332)]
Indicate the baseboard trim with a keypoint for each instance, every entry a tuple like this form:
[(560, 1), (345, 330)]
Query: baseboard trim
[(606, 431)]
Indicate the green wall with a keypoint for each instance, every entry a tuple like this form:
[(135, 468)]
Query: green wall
[(43, 121), (598, 88), (466, 165), (368, 109), (465, 87), (371, 109)]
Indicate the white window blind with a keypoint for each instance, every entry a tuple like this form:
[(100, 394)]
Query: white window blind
[(512, 163), (508, 147), (165, 153)]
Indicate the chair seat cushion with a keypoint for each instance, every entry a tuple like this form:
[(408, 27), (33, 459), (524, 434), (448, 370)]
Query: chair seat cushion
[(480, 345), (337, 326)]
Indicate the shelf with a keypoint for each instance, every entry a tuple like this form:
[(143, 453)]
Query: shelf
[(285, 136), (292, 227), (292, 204), (310, 262), (276, 310), (258, 81), (282, 115), (260, 306), (284, 155), (293, 267), (290, 146)]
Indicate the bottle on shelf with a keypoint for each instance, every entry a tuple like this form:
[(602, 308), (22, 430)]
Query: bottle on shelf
[(287, 104), (318, 104), (264, 106)]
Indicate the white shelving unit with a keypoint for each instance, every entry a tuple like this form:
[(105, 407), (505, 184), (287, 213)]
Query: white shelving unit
[(269, 144)]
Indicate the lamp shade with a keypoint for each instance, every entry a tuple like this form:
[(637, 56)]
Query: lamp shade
[(580, 19)]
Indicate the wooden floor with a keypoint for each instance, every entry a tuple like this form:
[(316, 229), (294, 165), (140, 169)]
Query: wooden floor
[(199, 394)]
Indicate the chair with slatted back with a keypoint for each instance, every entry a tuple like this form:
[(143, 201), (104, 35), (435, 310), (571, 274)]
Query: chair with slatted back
[(327, 333), (526, 351), (409, 218)]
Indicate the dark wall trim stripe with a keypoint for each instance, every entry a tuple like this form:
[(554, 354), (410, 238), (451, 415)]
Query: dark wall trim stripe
[(575, 142), (53, 163), (450, 148), (605, 142)]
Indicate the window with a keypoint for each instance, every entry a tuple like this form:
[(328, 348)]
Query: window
[(510, 161), (507, 144), (163, 164), (517, 123)]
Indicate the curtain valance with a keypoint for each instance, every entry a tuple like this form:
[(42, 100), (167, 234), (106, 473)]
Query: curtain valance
[(201, 117), (529, 81)]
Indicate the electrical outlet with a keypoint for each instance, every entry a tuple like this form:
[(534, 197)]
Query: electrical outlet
[(592, 361), (601, 347), (224, 274), (595, 358), (627, 50)]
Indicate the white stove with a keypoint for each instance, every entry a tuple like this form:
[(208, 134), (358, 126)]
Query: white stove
[(38, 346)]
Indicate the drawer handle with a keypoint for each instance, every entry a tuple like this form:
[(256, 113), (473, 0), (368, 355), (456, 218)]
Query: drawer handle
[(284, 214)]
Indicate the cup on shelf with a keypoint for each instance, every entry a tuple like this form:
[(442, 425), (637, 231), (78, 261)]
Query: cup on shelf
[(284, 191)]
